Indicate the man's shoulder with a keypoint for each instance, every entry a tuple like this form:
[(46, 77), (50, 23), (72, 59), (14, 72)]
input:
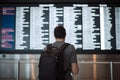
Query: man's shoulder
[(70, 46)]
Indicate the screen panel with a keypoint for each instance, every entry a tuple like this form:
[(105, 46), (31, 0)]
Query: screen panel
[(7, 28), (88, 26)]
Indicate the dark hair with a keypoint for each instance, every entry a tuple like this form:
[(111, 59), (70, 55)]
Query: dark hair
[(59, 32)]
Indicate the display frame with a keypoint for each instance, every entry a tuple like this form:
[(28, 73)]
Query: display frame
[(28, 2)]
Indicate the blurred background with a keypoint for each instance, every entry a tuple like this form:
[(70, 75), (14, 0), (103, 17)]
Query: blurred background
[(91, 67)]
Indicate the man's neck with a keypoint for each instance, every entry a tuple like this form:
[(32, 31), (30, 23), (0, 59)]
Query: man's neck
[(59, 40)]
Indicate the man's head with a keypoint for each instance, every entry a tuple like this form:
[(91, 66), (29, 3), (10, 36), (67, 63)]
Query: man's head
[(59, 32)]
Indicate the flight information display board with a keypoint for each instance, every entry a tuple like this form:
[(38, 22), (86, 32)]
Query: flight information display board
[(88, 27)]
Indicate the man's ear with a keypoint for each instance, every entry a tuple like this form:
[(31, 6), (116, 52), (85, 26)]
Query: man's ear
[(65, 35), (54, 35)]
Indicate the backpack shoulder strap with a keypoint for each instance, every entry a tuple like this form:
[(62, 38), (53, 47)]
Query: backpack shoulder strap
[(63, 46), (49, 46)]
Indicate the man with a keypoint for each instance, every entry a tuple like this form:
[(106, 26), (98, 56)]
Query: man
[(70, 58)]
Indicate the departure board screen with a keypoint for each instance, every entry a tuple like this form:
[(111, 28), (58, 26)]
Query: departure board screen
[(88, 27)]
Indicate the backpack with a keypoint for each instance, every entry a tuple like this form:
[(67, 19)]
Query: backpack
[(51, 64)]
